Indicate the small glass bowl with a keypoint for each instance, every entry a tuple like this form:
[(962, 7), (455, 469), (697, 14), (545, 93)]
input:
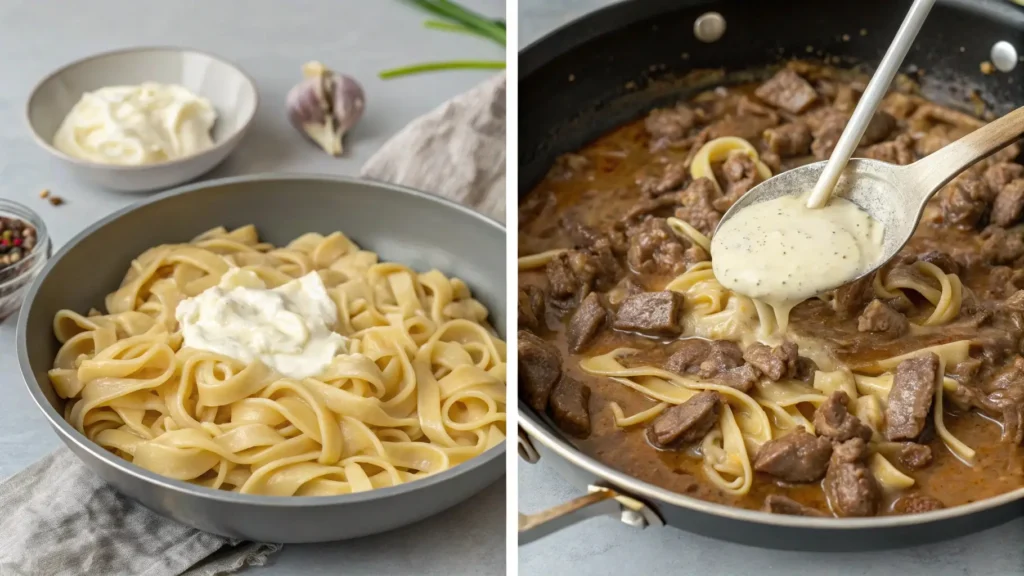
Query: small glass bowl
[(16, 278)]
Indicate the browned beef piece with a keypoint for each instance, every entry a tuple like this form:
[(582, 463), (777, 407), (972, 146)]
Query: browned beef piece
[(688, 356), (746, 126), (569, 406), (562, 282), (881, 125), (540, 366), (1015, 301), (878, 317), (740, 175), (965, 202), (944, 261), (898, 151), (657, 206), (916, 504), (795, 457), (1005, 399), (834, 421), (850, 299), (748, 107), (1009, 204), (1002, 245), (779, 504), (827, 134), (655, 249), (722, 355), (685, 423), (531, 308), (741, 378), (670, 123), (772, 161), (851, 489), (910, 398), (805, 369), (793, 139), (938, 137), (927, 113), (698, 208), (596, 266), (776, 363), (1002, 173), (900, 105), (651, 313), (915, 456), (787, 90), (966, 371), (845, 99), (585, 323), (671, 179)]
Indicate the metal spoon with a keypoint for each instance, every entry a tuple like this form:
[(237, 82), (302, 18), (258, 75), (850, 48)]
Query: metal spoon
[(893, 195), (869, 102)]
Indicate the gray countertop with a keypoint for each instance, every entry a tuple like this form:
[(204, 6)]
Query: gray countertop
[(606, 546), (270, 39)]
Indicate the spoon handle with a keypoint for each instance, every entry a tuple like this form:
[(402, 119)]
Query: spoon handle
[(869, 102), (934, 171)]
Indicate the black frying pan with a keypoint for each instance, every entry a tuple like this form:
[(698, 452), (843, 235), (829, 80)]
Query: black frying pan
[(613, 65)]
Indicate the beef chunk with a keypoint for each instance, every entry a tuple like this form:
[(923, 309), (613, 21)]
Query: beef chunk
[(795, 457), (944, 261), (540, 366), (880, 318), (741, 378), (672, 177), (585, 322), (670, 123), (685, 423), (899, 151), (772, 161), (1002, 173), (569, 406), (805, 369), (658, 205), (655, 249), (916, 504), (881, 125), (1015, 301), (845, 99), (915, 456), (740, 175), (779, 504), (900, 105), (722, 355), (910, 398), (562, 282), (851, 489), (793, 139), (596, 266), (787, 90), (965, 202), (652, 313), (698, 208), (834, 421), (688, 356), (827, 134), (746, 126), (531, 308), (850, 299), (1002, 245), (1009, 204), (1005, 399), (927, 113), (776, 363), (937, 137)]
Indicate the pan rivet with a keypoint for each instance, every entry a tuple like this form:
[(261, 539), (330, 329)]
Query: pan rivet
[(633, 518), (1004, 56), (709, 27)]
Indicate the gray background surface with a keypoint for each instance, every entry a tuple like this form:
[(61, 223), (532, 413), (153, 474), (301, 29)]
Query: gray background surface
[(270, 39), (606, 546)]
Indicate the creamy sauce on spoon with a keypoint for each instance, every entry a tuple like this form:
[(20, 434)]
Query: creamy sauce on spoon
[(780, 252)]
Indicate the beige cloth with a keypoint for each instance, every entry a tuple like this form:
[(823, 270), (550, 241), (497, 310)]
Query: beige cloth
[(456, 151), (57, 518)]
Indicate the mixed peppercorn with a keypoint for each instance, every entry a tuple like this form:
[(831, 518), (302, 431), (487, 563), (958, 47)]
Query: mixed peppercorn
[(17, 240)]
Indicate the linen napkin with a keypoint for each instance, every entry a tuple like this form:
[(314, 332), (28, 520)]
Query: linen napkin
[(58, 518)]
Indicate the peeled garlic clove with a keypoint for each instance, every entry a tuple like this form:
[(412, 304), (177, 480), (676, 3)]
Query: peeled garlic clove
[(325, 106)]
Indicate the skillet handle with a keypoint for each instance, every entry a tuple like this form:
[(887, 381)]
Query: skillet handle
[(600, 501)]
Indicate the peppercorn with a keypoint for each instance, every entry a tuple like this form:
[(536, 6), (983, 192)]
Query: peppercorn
[(17, 240)]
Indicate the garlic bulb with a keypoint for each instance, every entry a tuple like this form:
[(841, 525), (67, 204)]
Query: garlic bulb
[(325, 106)]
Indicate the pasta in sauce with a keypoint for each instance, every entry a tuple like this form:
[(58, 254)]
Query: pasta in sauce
[(420, 388)]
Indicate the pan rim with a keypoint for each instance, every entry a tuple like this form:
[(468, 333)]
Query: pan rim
[(70, 436)]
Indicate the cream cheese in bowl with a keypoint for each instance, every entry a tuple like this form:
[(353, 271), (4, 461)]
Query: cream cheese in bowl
[(137, 125)]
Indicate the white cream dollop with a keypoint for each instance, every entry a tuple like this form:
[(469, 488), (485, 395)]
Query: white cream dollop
[(137, 125), (288, 328)]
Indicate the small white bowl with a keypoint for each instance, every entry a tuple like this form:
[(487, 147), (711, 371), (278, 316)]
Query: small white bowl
[(232, 93)]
